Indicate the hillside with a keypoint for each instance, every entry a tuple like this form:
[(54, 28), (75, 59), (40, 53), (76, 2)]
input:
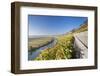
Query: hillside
[(82, 28)]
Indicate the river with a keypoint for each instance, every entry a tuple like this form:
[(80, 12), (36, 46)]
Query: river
[(34, 54)]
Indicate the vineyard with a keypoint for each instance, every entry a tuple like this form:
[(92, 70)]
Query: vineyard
[(62, 50)]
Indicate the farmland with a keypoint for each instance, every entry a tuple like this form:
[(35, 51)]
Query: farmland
[(39, 42)]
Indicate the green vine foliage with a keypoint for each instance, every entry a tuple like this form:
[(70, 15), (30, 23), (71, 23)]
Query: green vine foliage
[(62, 50)]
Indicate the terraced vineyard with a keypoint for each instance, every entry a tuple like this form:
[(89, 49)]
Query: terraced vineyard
[(62, 50)]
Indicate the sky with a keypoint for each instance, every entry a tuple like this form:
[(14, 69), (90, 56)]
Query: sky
[(53, 25)]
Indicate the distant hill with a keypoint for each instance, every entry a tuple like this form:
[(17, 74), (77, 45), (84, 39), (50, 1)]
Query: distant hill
[(83, 27)]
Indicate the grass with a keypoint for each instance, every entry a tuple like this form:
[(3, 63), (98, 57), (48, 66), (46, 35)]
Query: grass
[(62, 50)]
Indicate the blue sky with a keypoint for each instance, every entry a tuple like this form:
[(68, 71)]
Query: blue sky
[(53, 25)]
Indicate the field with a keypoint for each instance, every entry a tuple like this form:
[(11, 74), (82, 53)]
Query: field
[(38, 42)]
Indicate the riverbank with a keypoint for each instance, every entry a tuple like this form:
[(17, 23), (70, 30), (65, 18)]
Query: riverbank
[(33, 54), (36, 43)]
